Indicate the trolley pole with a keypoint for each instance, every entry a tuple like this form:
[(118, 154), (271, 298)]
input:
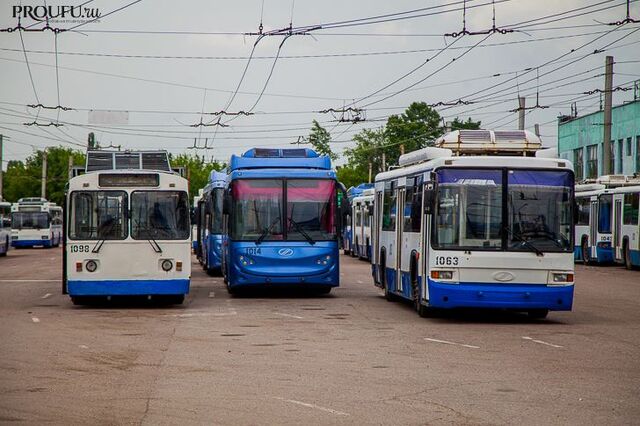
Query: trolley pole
[(536, 128), (606, 146), (43, 189), (521, 107)]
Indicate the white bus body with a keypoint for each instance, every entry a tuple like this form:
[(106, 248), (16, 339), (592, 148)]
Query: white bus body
[(36, 222), (5, 227), (476, 231), (626, 226), (593, 235), (127, 233), (362, 217)]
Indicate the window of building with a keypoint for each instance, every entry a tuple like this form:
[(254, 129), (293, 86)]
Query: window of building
[(628, 146), (612, 157), (578, 163), (592, 161), (631, 207), (637, 153), (619, 156)]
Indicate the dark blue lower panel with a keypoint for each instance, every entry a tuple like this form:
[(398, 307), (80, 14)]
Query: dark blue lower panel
[(635, 257), (506, 296), (604, 254), (31, 243), (127, 287)]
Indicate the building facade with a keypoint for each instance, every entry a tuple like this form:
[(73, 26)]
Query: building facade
[(580, 140)]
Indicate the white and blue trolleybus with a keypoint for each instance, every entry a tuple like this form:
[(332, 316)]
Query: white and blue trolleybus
[(5, 227), (36, 222), (484, 224), (283, 220), (127, 229)]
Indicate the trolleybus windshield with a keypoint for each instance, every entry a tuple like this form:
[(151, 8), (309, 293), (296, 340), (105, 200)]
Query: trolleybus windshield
[(216, 210), (259, 213), (30, 220), (159, 215), (98, 215), (471, 213)]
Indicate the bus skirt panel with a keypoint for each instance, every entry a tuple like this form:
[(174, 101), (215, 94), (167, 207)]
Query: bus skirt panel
[(127, 287), (504, 296), (31, 243)]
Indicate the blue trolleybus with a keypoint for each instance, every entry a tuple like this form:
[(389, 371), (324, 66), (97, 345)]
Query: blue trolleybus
[(283, 220), (484, 224), (209, 223), (127, 229)]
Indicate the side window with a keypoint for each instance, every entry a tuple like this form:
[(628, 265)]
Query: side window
[(631, 207), (583, 211), (416, 205), (389, 207)]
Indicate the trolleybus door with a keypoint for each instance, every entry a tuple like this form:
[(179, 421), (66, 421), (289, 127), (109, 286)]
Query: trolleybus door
[(617, 229), (376, 228), (400, 201), (593, 228)]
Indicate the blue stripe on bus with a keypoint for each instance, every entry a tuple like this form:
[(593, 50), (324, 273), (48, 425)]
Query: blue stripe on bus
[(127, 287), (30, 243), (506, 296), (635, 257), (604, 254)]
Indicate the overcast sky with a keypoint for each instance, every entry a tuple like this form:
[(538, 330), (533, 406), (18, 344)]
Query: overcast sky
[(179, 71)]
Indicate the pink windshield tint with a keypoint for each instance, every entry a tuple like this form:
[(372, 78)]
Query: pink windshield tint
[(311, 204), (260, 188)]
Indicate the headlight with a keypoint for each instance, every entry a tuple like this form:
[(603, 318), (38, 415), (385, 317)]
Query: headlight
[(323, 260), (166, 265), (91, 265), (563, 278), (246, 260)]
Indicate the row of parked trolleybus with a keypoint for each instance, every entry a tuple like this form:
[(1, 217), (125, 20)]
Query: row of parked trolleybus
[(481, 219)]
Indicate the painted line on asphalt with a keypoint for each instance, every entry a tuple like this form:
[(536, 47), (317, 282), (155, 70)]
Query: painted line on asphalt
[(34, 319), (314, 406), (541, 342), (446, 342), (212, 295), (288, 315), (46, 296), (360, 282), (29, 281), (83, 346)]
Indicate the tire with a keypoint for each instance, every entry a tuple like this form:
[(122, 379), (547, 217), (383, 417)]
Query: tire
[(176, 299), (626, 253), (6, 248), (538, 313), (584, 249), (323, 290)]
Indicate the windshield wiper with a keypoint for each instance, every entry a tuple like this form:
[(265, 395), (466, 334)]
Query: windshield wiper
[(100, 243), (267, 231), (152, 241), (302, 231), (519, 237)]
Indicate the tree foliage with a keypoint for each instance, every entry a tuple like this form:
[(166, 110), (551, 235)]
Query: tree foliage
[(198, 170), (458, 124), (320, 138), (24, 178)]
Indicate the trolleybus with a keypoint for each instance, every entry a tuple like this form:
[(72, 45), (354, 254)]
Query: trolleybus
[(347, 230), (127, 229), (209, 224), (626, 225), (194, 222), (362, 217), (282, 219), (484, 224), (36, 222), (593, 224)]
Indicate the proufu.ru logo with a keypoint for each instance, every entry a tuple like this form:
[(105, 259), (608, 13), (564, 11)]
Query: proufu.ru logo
[(57, 13)]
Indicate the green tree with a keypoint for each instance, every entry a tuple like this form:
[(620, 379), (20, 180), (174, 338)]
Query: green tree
[(24, 179), (198, 170), (371, 147), (458, 124), (352, 176), (319, 138)]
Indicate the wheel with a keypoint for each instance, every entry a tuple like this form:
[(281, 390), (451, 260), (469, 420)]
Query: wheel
[(627, 256), (584, 248), (538, 313), (175, 299), (6, 248), (79, 300)]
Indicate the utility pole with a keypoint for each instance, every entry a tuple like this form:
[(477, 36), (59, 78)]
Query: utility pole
[(521, 107), (43, 189), (70, 166), (370, 170), (384, 161), (401, 149), (608, 94), (1, 168)]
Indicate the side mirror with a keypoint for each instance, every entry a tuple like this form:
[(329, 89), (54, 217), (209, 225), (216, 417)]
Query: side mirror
[(429, 197)]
